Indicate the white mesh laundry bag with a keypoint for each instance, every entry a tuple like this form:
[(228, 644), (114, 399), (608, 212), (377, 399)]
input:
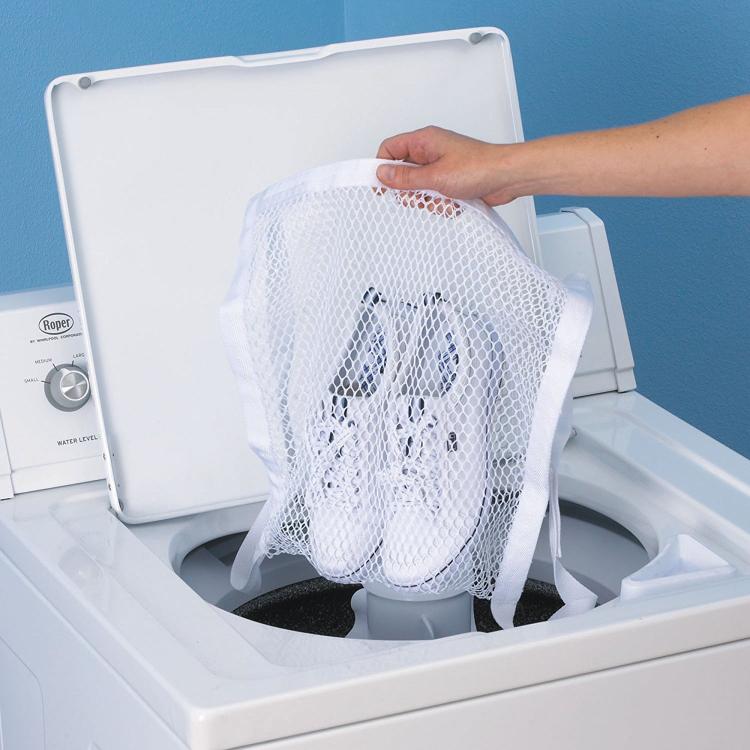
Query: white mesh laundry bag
[(403, 367)]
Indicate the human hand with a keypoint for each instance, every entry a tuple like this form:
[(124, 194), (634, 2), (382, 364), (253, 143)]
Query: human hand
[(455, 165)]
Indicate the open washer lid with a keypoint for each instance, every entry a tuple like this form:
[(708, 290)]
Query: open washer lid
[(155, 166)]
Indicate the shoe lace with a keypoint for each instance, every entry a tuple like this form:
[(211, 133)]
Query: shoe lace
[(336, 464), (414, 477)]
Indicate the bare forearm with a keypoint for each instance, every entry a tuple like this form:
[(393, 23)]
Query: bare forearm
[(700, 151)]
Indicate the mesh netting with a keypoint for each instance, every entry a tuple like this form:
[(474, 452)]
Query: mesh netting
[(403, 365)]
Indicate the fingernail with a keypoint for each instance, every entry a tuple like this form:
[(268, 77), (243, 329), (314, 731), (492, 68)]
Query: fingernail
[(386, 173)]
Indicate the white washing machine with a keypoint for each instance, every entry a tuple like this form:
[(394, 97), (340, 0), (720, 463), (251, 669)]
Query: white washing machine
[(128, 483)]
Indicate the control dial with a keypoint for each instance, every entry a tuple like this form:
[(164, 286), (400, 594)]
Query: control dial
[(67, 387)]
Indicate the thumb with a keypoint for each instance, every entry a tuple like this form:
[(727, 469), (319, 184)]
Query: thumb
[(405, 177)]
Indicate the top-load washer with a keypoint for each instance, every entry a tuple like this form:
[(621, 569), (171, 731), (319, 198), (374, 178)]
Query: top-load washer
[(118, 627)]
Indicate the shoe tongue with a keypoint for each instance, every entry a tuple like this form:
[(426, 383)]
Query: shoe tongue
[(345, 409), (339, 407), (435, 362), (415, 408), (365, 358)]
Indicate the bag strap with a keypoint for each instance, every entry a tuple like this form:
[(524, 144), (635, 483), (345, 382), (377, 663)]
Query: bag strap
[(245, 575), (576, 597)]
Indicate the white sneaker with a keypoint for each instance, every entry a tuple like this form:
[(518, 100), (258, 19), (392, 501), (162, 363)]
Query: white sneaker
[(437, 434), (344, 531)]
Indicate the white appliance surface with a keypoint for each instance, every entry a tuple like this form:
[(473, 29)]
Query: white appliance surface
[(155, 166), (221, 682), (108, 637), (98, 613)]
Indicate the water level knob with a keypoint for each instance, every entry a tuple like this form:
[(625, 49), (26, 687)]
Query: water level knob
[(67, 387)]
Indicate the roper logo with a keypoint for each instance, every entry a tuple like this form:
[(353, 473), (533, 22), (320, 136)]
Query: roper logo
[(55, 323)]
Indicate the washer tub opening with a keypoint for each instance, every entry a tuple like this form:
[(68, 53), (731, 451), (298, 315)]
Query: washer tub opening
[(597, 550)]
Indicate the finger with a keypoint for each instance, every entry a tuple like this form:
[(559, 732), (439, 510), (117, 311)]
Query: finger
[(403, 177), (403, 146), (395, 147)]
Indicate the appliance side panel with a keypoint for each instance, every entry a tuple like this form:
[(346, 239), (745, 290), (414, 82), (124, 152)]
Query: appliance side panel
[(75, 698), (692, 701)]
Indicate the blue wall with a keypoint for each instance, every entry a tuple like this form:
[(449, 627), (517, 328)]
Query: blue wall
[(683, 266)]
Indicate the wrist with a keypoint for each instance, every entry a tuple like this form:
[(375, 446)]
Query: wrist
[(533, 167), (514, 171)]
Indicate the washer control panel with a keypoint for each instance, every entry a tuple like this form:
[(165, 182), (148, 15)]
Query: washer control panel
[(49, 432)]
